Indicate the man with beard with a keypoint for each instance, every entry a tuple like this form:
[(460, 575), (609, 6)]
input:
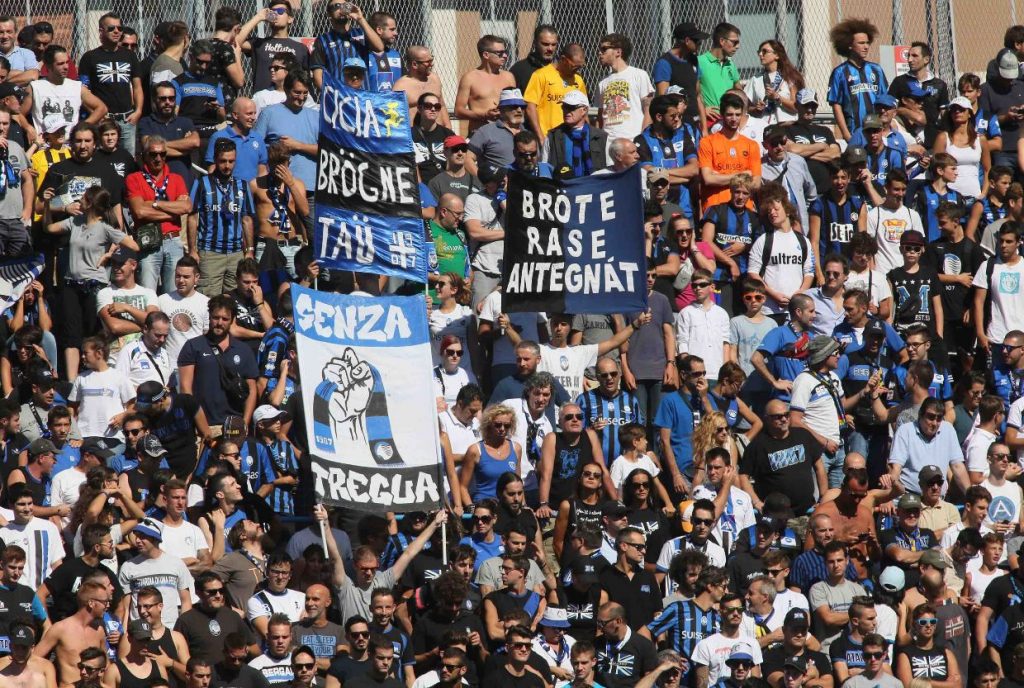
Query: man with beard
[(178, 131), (147, 357), (232, 670), (527, 355), (244, 568), (58, 590), (210, 619), (624, 656), (324, 637), (70, 178), (356, 661), (153, 566), (200, 367), (448, 613), (83, 629), (176, 420), (545, 44)]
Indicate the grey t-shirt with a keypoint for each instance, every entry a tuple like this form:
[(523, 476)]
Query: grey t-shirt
[(462, 186), (647, 357), (492, 145), (489, 573), (879, 681), (596, 329), (746, 336), (11, 201), (355, 600), (487, 256), (87, 245), (837, 598)]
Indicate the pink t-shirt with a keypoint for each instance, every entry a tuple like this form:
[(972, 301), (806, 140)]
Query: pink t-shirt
[(686, 297)]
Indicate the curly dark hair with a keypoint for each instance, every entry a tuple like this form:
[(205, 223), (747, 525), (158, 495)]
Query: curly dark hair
[(842, 34)]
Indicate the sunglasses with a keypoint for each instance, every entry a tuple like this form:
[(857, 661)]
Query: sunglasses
[(520, 645), (933, 416), (91, 669), (874, 655), (134, 432), (453, 352), (646, 485), (482, 519), (450, 667), (753, 297), (701, 521), (112, 29), (701, 285), (732, 610), (774, 572), (639, 547), (608, 376), (501, 426), (911, 249), (303, 666), (573, 416), (927, 622), (157, 154), (591, 474), (459, 149), (359, 634), (213, 591)]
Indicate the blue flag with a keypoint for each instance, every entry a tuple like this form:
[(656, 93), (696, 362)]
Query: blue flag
[(367, 194)]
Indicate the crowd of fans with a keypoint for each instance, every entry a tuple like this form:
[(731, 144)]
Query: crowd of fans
[(797, 468)]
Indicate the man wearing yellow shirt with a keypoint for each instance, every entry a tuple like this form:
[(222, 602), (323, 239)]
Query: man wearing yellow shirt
[(548, 86)]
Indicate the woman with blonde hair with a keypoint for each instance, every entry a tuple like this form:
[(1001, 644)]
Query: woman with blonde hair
[(492, 456), (452, 316), (712, 432)]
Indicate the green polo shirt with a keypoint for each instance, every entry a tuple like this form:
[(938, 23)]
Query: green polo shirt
[(452, 255), (716, 77)]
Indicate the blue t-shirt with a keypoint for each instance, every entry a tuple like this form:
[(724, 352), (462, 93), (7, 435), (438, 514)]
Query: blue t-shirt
[(303, 126), (780, 348), (676, 414), (251, 152)]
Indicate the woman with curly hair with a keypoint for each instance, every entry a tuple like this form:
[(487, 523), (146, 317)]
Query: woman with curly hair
[(785, 265), (855, 83), (772, 95), (492, 456), (712, 432)]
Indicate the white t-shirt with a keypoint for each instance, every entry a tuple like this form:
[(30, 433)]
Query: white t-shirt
[(567, 364), (703, 332), (167, 573), (526, 324), (1006, 295), (785, 272), (1005, 504), (65, 488), (100, 395), (1015, 420), (137, 297), (887, 226), (460, 436), (737, 516), (527, 470), (623, 467), (184, 541), (620, 98), (888, 623), (289, 602), (136, 361), (189, 318), (42, 544), (790, 599), (976, 451), (713, 650), (811, 396), (879, 290), (448, 385), (756, 93), (50, 99), (456, 323), (487, 255)]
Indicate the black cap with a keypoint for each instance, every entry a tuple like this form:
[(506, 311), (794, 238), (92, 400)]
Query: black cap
[(688, 30), (122, 255), (491, 173), (614, 508), (9, 89), (775, 131), (97, 446), (583, 570), (797, 662), (797, 617), (874, 328)]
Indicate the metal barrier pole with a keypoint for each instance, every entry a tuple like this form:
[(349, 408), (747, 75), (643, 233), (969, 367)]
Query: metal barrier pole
[(897, 22)]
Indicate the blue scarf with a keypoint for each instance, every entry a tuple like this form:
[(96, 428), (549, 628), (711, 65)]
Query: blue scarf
[(577, 151), (9, 178)]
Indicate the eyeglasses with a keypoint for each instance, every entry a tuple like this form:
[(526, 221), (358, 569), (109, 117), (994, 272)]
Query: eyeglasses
[(425, 63), (741, 664), (701, 521), (765, 51), (499, 53), (432, 106), (684, 231), (874, 655), (520, 645), (999, 457), (166, 99), (638, 546), (734, 41), (575, 416), (303, 666), (279, 572), (722, 428), (609, 375), (527, 154), (453, 352), (224, 453), (482, 519), (278, 10), (602, 48), (753, 297), (833, 275), (278, 68), (927, 622), (777, 416)]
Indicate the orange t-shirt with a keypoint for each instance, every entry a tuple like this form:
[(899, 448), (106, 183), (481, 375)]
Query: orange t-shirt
[(726, 156)]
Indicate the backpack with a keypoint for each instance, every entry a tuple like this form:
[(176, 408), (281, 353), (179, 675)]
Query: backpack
[(766, 250)]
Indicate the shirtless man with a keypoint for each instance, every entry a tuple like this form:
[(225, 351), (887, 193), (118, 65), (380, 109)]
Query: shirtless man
[(420, 79), (477, 98), (82, 629), (20, 669)]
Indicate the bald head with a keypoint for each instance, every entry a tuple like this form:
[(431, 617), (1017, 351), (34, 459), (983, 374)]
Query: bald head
[(449, 210), (417, 56), (623, 153), (244, 112), (776, 406), (319, 590), (854, 460)]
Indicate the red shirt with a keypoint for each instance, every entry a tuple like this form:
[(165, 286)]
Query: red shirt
[(136, 187)]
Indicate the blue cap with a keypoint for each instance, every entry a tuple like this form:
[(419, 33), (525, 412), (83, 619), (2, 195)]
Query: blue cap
[(885, 100), (354, 63), (914, 90)]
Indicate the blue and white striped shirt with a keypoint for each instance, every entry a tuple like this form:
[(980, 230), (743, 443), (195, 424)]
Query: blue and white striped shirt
[(221, 206)]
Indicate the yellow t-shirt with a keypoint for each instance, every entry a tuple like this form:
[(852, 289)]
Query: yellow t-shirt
[(546, 90), (41, 162)]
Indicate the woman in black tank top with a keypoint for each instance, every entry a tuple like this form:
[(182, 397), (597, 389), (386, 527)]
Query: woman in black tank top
[(134, 661), (581, 509)]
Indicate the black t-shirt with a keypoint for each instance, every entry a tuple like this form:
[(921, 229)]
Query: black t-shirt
[(1002, 592), (814, 133), (937, 98), (223, 57), (64, 582), (9, 452), (75, 177), (424, 568), (640, 595), (429, 149), (581, 610), (948, 258), (743, 566), (912, 294), (346, 669), (428, 631), (845, 649), (501, 678), (120, 159), (784, 465), (176, 430), (241, 677), (494, 669), (622, 667), (263, 51), (524, 519), (205, 633), (775, 658), (109, 74), (894, 536), (997, 99), (930, 665)]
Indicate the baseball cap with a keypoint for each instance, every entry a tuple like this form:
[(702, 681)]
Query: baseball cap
[(796, 617), (770, 523), (54, 123), (778, 505), (575, 99), (657, 174), (855, 155), (930, 473), (234, 426), (9, 89), (874, 328), (614, 508), (1009, 65), (583, 570), (22, 634), (912, 237), (797, 662), (806, 96), (267, 412), (140, 630), (41, 446), (892, 579), (555, 617), (510, 97), (886, 100), (909, 501), (96, 446), (677, 90), (43, 377), (150, 528), (688, 30), (454, 140), (149, 392), (491, 173), (775, 131), (740, 652), (871, 122), (354, 63), (123, 254), (151, 446), (933, 558), (914, 90), (962, 103)]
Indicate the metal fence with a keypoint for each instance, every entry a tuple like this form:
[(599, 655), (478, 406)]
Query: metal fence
[(965, 34)]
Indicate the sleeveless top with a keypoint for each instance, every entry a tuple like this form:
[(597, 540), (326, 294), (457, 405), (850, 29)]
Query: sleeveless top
[(49, 99), (927, 664), (166, 645), (130, 680), (968, 161), (580, 514), (569, 462), (489, 469)]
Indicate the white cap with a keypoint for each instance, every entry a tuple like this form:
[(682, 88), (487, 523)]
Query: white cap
[(961, 102), (575, 98), (268, 412), (54, 122), (1009, 65)]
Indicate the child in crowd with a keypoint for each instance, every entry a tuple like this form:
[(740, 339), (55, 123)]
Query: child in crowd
[(745, 334), (730, 229), (633, 439), (702, 328)]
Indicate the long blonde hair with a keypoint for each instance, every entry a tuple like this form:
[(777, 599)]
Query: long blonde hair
[(704, 437)]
